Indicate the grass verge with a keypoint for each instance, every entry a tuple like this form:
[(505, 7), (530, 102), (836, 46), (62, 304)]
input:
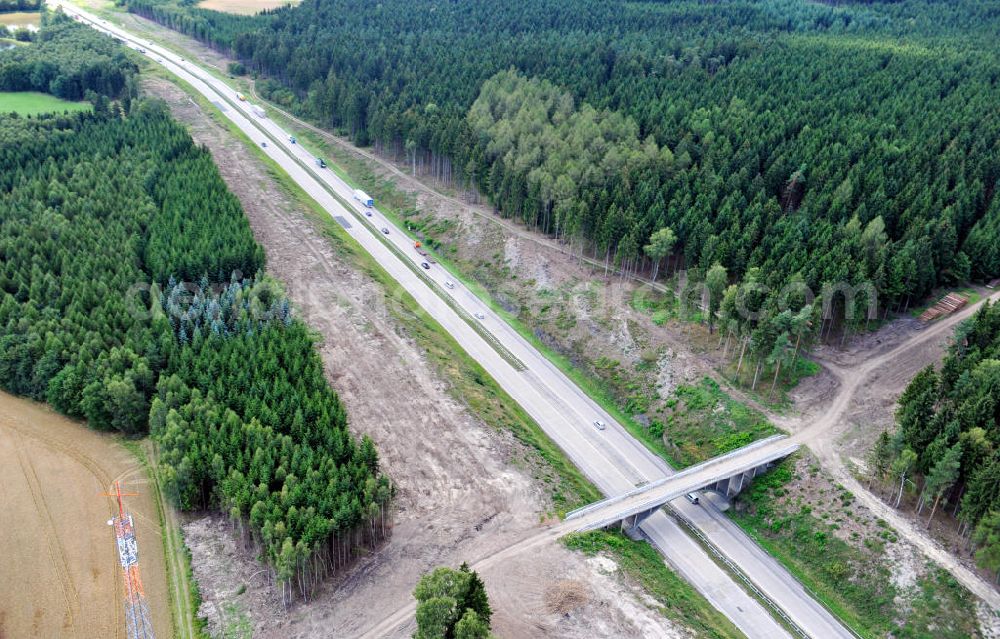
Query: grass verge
[(471, 384), (677, 600), (847, 562), (704, 422), (180, 578)]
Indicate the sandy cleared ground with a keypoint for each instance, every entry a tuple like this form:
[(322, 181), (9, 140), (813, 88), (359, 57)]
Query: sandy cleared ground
[(840, 413), (243, 7), (463, 491), (602, 322), (61, 576)]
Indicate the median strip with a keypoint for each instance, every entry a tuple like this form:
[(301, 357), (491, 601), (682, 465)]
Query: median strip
[(490, 339)]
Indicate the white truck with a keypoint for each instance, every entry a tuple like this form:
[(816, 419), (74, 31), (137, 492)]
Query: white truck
[(363, 197), (258, 111)]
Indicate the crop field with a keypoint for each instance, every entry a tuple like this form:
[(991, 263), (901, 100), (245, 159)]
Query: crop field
[(33, 103), (28, 19), (244, 7), (61, 576)]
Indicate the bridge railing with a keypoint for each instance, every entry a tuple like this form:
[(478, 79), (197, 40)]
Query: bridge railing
[(579, 512)]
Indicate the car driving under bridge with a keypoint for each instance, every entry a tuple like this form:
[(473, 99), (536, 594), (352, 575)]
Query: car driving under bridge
[(727, 475)]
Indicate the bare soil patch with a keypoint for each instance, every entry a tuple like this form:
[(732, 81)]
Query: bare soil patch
[(464, 490), (60, 563)]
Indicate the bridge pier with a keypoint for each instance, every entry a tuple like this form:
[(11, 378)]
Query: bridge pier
[(726, 476), (732, 486), (630, 525)]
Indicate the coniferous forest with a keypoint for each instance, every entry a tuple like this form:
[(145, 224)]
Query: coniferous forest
[(132, 295), (55, 64), (784, 140), (948, 436)]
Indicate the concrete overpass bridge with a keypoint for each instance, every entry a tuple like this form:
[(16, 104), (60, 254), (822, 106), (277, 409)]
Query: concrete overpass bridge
[(727, 475)]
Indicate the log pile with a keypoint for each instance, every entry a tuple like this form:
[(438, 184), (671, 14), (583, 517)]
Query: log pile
[(946, 306)]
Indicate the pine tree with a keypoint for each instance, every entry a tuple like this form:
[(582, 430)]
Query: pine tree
[(879, 458), (987, 538), (716, 281), (661, 243), (475, 597), (901, 468), (943, 476)]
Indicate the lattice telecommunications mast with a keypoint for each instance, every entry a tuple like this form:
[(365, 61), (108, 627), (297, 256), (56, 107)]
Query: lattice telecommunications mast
[(137, 622)]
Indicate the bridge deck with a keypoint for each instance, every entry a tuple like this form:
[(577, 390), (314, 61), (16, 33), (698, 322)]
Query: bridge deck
[(645, 498)]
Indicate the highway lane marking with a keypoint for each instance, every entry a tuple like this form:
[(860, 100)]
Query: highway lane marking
[(197, 74)]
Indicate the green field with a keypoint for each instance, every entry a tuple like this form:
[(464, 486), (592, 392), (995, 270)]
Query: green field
[(32, 103)]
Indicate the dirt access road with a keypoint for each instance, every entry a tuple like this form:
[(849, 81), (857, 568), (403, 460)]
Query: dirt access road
[(544, 276), (61, 576), (837, 414), (820, 420), (464, 490), (841, 412)]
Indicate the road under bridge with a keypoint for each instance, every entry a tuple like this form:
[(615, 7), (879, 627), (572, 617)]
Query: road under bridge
[(727, 475)]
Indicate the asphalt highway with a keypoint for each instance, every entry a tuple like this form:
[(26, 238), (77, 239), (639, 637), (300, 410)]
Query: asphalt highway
[(611, 458)]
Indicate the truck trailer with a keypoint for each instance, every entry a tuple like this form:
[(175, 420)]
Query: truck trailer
[(424, 253), (363, 197)]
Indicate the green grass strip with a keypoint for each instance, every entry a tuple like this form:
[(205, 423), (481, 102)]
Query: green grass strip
[(567, 486), (677, 599)]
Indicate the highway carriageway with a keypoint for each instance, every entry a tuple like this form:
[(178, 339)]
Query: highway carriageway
[(611, 458)]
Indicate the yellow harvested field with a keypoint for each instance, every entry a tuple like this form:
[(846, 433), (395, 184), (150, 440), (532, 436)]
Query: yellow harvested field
[(244, 7), (29, 19), (60, 565)]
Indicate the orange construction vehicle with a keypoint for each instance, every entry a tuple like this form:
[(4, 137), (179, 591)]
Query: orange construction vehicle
[(423, 252)]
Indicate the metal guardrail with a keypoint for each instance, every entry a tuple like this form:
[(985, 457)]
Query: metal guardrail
[(487, 336), (812, 593), (733, 568), (677, 475)]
